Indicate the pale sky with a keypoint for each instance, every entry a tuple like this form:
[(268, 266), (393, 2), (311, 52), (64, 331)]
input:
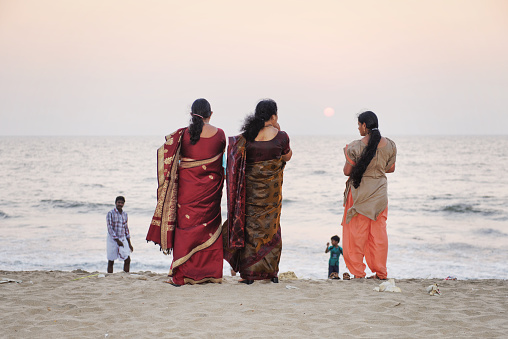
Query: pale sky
[(124, 67)]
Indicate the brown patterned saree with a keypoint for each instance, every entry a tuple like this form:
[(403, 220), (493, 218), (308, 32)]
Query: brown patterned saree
[(252, 242)]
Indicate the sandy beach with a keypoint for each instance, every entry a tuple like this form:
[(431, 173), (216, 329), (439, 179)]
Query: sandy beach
[(55, 304)]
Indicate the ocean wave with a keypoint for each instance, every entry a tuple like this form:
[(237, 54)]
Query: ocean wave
[(3, 215), (460, 248), (490, 232), (466, 208), (140, 211), (443, 197), (319, 172), (93, 185), (69, 204), (286, 201), (438, 247)]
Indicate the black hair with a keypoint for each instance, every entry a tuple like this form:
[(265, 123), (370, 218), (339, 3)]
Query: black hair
[(370, 120), (255, 122), (200, 110), (119, 198), (335, 237)]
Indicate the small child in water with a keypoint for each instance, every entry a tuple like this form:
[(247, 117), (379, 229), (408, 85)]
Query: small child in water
[(335, 252)]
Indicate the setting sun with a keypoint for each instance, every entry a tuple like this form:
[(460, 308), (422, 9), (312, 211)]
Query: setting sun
[(329, 112)]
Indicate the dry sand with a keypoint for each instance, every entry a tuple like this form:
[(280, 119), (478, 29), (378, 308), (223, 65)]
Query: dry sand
[(139, 305)]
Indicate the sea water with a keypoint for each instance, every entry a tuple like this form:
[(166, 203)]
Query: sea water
[(448, 204)]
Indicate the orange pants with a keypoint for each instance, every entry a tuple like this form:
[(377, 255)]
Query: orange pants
[(363, 237)]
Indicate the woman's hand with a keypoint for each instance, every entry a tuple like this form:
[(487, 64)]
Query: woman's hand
[(347, 169)]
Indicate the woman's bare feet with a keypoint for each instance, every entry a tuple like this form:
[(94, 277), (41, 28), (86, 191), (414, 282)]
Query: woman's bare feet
[(170, 281), (245, 281), (375, 276)]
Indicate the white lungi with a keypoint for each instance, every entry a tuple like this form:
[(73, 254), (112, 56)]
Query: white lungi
[(115, 251)]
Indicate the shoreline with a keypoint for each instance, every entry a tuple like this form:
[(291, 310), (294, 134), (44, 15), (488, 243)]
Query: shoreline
[(84, 304), (118, 270)]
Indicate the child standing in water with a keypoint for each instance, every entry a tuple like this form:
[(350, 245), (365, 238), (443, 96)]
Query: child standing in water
[(335, 252)]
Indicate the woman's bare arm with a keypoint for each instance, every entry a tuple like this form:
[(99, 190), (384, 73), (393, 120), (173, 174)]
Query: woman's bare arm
[(287, 157), (347, 169)]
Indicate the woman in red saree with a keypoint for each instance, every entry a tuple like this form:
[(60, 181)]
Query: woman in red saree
[(366, 199), (187, 219), (256, 160)]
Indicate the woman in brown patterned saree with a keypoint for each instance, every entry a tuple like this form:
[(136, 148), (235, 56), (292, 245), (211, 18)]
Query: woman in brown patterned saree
[(187, 218), (256, 160)]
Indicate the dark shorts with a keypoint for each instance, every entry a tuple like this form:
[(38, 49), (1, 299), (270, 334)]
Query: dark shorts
[(333, 268)]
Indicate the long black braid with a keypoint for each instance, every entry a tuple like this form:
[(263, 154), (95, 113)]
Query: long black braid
[(370, 120), (200, 110)]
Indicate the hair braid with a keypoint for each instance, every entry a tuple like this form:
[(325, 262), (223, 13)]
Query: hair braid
[(200, 110), (369, 152)]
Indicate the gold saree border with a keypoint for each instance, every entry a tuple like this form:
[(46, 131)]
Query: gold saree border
[(167, 189), (160, 156), (193, 282), (204, 245), (196, 163), (169, 208)]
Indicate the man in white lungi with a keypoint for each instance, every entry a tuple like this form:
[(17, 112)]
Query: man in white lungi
[(118, 236)]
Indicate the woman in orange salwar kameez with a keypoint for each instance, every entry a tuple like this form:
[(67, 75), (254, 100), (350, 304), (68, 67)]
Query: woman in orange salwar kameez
[(366, 199), (187, 219)]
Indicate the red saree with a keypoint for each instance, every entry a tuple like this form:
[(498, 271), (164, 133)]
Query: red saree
[(188, 215), (252, 237)]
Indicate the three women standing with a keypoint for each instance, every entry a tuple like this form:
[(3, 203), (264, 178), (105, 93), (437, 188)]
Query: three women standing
[(256, 160), (366, 198), (187, 218)]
